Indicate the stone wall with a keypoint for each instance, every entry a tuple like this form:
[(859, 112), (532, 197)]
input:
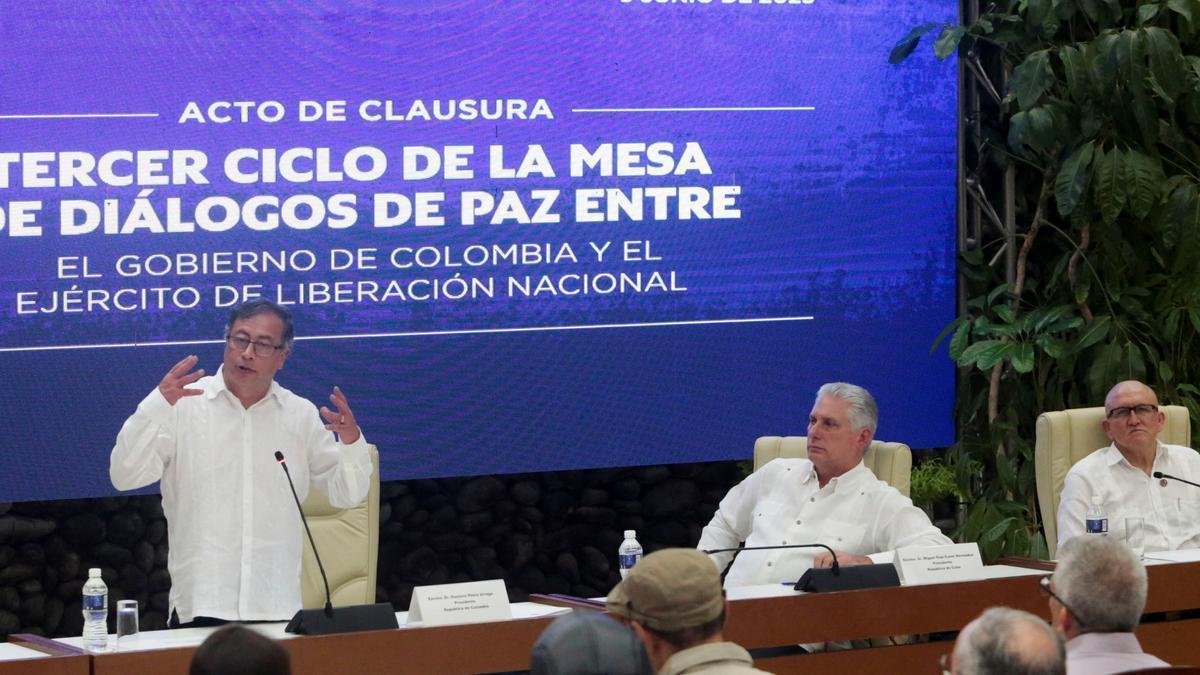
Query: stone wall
[(542, 533)]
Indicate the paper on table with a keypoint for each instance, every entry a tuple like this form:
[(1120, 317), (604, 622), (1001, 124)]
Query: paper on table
[(1187, 555)]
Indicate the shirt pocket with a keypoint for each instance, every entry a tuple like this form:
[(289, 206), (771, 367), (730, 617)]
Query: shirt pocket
[(1185, 513), (841, 535)]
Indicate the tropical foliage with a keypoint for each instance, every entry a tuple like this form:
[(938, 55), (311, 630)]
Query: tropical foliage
[(1092, 114)]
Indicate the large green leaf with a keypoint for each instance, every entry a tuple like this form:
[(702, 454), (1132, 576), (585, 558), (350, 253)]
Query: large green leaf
[(1072, 182), (1032, 78), (1145, 179), (909, 42), (1095, 331), (1181, 217), (1074, 62), (959, 342), (947, 42), (1110, 183), (1147, 12), (985, 353), (1181, 7), (1166, 60), (1022, 357)]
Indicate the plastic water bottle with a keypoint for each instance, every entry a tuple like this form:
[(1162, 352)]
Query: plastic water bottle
[(629, 554), (95, 612), (1097, 521)]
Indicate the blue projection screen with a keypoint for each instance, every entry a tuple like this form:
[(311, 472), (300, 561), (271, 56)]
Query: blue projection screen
[(520, 235)]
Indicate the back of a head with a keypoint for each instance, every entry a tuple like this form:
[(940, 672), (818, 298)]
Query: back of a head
[(237, 650), (589, 643), (1103, 583), (1004, 641)]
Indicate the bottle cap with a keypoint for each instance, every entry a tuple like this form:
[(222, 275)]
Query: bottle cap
[(631, 534), (1096, 500), (93, 572)]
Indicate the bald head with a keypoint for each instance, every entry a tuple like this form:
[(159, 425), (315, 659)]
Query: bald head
[(1129, 388), (1004, 640)]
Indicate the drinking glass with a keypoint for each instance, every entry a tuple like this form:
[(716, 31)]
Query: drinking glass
[(1135, 534), (127, 623)]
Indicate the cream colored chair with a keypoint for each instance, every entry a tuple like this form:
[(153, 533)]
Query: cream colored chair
[(348, 540), (891, 462), (1064, 437)]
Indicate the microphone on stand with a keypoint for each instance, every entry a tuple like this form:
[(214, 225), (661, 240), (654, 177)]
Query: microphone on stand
[(1161, 475), (835, 578), (349, 619), (834, 568)]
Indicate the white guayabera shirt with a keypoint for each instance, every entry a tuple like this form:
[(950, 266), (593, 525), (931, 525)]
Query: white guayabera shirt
[(1170, 510), (235, 533), (783, 504)]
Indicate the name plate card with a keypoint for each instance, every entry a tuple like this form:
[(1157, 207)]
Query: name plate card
[(450, 604), (939, 564)]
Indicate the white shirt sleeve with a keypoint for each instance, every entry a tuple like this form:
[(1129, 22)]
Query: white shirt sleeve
[(341, 472), (145, 444), (1072, 506), (731, 523)]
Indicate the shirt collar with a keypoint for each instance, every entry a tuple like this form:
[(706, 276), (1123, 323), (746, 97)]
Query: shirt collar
[(217, 385), (850, 476), (1123, 643), (1113, 455), (709, 653)]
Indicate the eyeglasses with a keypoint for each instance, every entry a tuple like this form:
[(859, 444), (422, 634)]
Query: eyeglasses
[(239, 343), (1144, 411), (1044, 584)]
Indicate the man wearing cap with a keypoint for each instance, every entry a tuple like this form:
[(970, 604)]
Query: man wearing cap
[(673, 600), (831, 498), (1122, 476)]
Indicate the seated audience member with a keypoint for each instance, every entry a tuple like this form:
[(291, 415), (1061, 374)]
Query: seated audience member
[(674, 602), (831, 498), (237, 650), (589, 643), (1097, 594), (1122, 476), (1005, 641)]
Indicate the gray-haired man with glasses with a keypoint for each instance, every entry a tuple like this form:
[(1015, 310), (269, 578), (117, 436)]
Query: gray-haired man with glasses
[(234, 531), (1121, 475), (1096, 598)]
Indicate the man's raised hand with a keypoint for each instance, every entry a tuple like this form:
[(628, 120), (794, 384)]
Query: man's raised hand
[(174, 385), (341, 421)]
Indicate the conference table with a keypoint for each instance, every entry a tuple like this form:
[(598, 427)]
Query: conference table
[(759, 617)]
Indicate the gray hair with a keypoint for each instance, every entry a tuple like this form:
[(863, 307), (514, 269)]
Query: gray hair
[(863, 411), (1006, 641), (260, 306), (1103, 582)]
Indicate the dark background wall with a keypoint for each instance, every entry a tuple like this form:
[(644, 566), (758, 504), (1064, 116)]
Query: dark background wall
[(541, 532)]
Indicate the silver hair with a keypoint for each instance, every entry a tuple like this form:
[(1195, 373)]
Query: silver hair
[(863, 411), (1103, 583), (1006, 641)]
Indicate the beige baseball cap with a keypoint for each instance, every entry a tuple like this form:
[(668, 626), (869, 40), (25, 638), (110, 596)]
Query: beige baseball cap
[(670, 590)]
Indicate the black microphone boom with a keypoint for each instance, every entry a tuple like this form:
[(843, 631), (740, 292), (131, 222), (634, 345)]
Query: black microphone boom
[(835, 578), (1159, 474), (352, 618)]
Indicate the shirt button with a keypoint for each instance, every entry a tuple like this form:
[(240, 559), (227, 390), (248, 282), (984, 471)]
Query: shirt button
[(785, 542), (797, 522), (812, 499), (769, 564)]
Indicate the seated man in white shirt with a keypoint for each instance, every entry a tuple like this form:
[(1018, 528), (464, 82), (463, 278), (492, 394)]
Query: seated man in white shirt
[(1122, 476), (1097, 595), (232, 522), (830, 498)]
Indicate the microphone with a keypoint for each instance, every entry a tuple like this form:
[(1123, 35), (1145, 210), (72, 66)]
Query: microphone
[(1159, 474), (833, 567), (836, 578), (324, 578), (347, 619)]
